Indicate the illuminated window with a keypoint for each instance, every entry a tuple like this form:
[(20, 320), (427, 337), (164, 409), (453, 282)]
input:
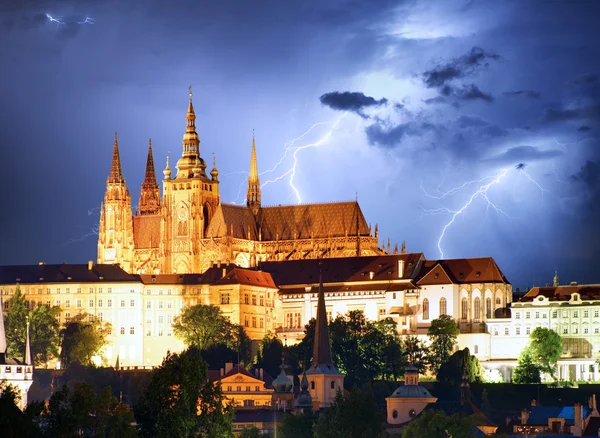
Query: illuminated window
[(506, 331), (488, 307), (122, 330), (477, 309), (131, 330), (224, 297), (132, 303), (464, 309), (425, 309), (443, 307), (253, 300)]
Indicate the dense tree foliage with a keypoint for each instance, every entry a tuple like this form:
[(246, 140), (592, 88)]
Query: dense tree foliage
[(269, 354), (83, 412), (181, 401), (251, 432), (462, 361), (545, 347), (44, 329), (13, 422), (297, 426), (82, 340), (356, 416), (442, 333), (526, 371), (360, 348), (438, 424), (417, 353), (206, 328)]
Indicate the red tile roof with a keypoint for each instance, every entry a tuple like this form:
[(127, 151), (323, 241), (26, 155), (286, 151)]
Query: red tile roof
[(461, 271), (563, 293), (146, 231), (248, 277)]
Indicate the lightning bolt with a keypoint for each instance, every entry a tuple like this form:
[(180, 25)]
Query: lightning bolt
[(291, 147), (522, 172), (56, 20), (88, 20), (93, 231), (482, 191)]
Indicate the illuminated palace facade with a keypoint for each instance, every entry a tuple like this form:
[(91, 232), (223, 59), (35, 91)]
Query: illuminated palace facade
[(188, 228)]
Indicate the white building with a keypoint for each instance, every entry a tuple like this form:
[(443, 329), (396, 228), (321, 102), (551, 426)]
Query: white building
[(573, 311)]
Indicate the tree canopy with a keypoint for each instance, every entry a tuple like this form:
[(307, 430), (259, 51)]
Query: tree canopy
[(437, 424), (206, 328), (417, 353), (360, 348), (181, 401), (270, 354), (44, 329), (81, 411), (454, 368), (356, 416), (545, 347), (526, 371), (442, 332), (82, 340)]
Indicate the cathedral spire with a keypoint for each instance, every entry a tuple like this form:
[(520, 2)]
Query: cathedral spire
[(2, 336), (116, 175), (191, 142), (149, 195), (253, 193), (28, 347), (321, 349)]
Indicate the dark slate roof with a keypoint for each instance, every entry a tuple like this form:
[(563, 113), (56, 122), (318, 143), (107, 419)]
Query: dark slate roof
[(459, 271), (210, 276), (248, 277), (257, 415), (77, 273), (563, 293), (539, 415), (343, 269), (592, 427)]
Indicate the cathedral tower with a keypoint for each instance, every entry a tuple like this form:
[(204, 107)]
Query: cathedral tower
[(115, 234), (253, 193), (189, 203), (149, 195)]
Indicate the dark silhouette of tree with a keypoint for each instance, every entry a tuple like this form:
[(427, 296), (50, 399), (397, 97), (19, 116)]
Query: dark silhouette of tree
[(181, 401), (442, 332), (451, 371), (526, 371), (356, 416)]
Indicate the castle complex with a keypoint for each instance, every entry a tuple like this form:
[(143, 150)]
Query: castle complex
[(189, 228)]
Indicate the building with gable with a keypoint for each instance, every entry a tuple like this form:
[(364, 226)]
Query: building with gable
[(187, 228)]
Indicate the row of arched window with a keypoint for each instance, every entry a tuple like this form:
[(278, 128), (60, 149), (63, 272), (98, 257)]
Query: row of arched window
[(478, 314)]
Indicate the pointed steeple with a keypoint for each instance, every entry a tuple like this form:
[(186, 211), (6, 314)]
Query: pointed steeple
[(116, 175), (321, 349), (28, 347), (191, 142), (214, 173), (403, 251), (556, 283), (149, 195), (253, 193), (2, 335)]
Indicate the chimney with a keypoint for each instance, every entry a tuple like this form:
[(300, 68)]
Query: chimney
[(223, 272), (573, 283), (262, 377), (400, 268), (222, 372), (228, 367), (371, 275), (90, 265)]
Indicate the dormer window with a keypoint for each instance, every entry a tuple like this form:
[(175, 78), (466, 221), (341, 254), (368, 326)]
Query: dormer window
[(461, 275), (477, 274), (436, 276)]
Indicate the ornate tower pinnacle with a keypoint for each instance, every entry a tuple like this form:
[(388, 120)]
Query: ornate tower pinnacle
[(556, 283), (190, 158), (253, 193), (321, 349), (116, 175), (214, 173), (149, 195)]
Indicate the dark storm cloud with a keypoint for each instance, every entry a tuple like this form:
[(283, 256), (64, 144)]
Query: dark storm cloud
[(453, 95), (523, 93), (588, 79), (583, 128), (458, 68), (351, 101), (589, 174), (379, 135), (523, 154), (590, 112), (469, 121)]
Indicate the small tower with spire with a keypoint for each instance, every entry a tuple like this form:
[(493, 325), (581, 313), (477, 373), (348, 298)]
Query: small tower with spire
[(190, 164), (556, 283), (149, 194), (253, 193), (16, 372), (324, 378), (115, 233)]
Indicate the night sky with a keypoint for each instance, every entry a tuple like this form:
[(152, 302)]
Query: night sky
[(421, 107)]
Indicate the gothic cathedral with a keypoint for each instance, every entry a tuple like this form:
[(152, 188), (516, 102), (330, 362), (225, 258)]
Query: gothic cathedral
[(188, 229)]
